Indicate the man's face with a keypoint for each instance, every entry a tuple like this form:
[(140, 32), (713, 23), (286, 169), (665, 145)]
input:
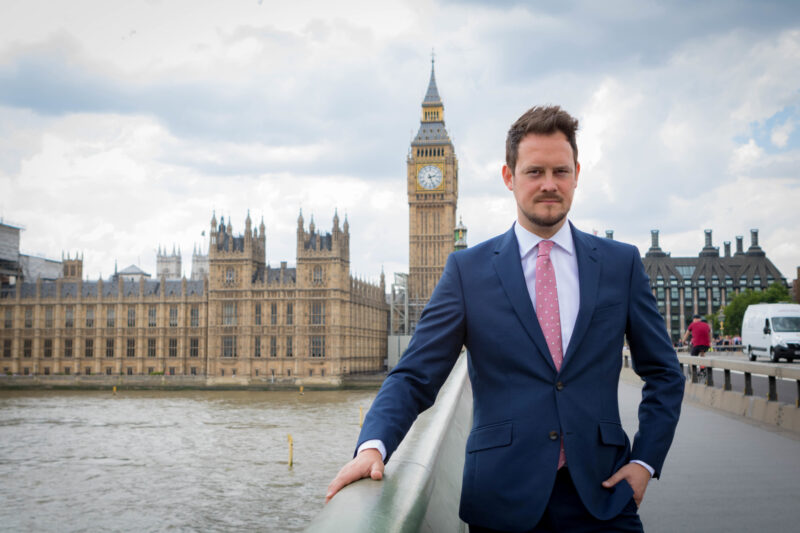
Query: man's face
[(543, 182)]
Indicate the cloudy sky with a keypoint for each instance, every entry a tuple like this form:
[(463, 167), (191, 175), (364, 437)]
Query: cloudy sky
[(124, 125)]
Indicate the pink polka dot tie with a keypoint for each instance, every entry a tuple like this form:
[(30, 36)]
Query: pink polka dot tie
[(548, 314)]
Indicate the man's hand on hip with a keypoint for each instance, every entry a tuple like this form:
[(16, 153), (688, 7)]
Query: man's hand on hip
[(368, 463), (637, 477)]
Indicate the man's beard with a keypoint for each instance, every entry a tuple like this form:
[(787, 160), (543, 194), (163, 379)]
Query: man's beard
[(546, 221)]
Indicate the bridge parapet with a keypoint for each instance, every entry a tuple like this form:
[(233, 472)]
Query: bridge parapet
[(766, 408), (421, 487)]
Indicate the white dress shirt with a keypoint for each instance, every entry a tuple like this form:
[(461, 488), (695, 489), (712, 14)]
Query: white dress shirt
[(565, 265)]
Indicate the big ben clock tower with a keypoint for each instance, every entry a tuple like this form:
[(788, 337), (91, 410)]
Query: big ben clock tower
[(432, 198)]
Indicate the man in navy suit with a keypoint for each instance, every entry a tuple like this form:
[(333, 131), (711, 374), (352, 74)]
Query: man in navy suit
[(543, 311)]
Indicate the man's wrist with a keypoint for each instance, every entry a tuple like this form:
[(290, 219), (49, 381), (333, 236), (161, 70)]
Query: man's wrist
[(645, 465), (374, 444)]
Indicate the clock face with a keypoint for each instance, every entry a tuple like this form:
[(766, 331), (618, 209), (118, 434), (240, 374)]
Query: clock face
[(429, 177)]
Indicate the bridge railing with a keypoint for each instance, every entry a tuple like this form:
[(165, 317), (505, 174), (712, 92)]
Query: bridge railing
[(421, 487), (691, 365)]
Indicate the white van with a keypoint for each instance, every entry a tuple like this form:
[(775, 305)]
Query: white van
[(772, 330)]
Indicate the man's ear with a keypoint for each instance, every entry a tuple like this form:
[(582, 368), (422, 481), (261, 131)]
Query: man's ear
[(577, 173), (508, 178)]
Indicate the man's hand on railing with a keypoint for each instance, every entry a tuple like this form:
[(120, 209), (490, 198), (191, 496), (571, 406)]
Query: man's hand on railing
[(368, 463)]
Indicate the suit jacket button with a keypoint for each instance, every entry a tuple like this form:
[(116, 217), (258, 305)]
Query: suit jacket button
[(559, 386), (554, 435)]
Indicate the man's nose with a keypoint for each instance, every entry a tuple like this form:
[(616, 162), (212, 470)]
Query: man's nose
[(549, 183)]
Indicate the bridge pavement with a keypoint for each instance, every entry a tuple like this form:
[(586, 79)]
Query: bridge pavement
[(722, 474)]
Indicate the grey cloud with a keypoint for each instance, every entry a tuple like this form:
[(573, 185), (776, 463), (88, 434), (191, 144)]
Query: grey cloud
[(593, 36), (337, 104)]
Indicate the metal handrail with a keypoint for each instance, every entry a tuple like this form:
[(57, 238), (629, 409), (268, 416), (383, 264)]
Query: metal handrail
[(771, 371), (422, 482)]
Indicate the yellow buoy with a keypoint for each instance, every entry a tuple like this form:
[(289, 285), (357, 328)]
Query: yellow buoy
[(291, 451), (115, 389), (301, 389)]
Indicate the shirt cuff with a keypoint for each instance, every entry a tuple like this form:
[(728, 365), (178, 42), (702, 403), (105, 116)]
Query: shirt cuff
[(638, 462), (378, 445)]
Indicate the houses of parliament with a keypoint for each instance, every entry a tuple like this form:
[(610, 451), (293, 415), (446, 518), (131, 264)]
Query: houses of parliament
[(237, 318)]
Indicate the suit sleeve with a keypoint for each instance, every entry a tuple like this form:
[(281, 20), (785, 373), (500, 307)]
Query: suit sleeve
[(412, 386), (655, 361)]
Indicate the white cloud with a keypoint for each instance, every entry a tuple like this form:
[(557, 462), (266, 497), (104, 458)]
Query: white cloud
[(781, 132), (123, 130)]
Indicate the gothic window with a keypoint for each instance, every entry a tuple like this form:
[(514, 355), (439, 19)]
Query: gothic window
[(258, 314), (90, 317), (8, 322), (194, 347), (48, 317), (289, 314), (130, 348), (273, 346), (151, 347), (318, 313), (173, 347), (110, 348), (317, 279), (27, 348), (173, 316), (88, 348), (317, 346), (229, 314), (110, 317), (289, 352), (228, 346), (230, 275), (131, 317), (48, 347), (69, 316), (257, 347), (273, 314), (195, 316), (151, 316), (6, 348)]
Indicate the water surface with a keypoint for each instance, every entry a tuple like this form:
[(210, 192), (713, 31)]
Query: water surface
[(170, 460)]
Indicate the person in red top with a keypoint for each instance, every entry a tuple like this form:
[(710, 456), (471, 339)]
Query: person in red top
[(701, 336)]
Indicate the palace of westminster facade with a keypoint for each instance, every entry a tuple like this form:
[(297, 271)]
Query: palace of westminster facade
[(239, 318)]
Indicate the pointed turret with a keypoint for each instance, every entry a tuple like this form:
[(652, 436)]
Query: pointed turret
[(336, 220), (346, 225), (432, 94), (431, 128), (311, 225), (262, 229), (460, 236)]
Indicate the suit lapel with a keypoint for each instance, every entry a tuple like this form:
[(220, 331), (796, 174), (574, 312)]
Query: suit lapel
[(508, 265), (588, 276)]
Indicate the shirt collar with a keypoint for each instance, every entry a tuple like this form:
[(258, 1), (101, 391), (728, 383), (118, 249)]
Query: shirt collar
[(527, 241)]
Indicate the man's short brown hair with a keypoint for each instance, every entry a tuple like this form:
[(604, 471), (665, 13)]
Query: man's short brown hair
[(542, 120)]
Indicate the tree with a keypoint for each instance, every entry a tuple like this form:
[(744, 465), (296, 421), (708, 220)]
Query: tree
[(734, 311)]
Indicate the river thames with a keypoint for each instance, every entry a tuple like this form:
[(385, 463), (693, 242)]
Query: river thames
[(171, 460)]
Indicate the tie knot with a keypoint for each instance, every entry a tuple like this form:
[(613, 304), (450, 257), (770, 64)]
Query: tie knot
[(545, 247)]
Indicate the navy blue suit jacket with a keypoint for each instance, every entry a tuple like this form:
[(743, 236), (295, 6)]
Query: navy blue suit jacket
[(519, 400)]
